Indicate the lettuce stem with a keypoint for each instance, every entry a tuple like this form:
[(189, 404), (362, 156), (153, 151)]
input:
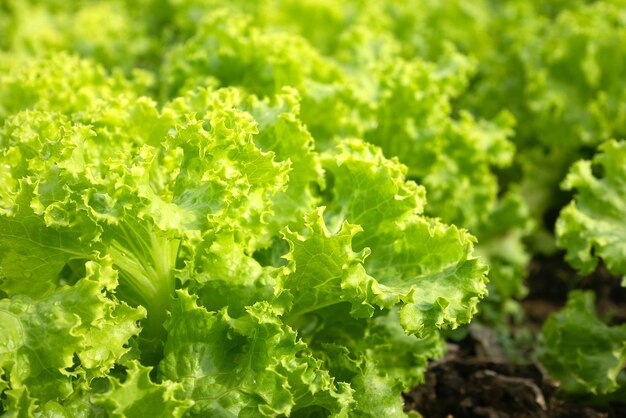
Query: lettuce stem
[(146, 261)]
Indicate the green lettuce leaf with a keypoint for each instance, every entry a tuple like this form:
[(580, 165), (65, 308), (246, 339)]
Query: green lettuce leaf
[(581, 351), (74, 333), (138, 396), (590, 227), (253, 365), (417, 263)]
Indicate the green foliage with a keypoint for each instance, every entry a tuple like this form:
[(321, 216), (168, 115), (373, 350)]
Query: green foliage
[(53, 346), (590, 227), (312, 181), (582, 352), (205, 210)]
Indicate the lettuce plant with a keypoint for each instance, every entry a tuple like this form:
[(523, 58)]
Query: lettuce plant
[(201, 257), (589, 228), (581, 351)]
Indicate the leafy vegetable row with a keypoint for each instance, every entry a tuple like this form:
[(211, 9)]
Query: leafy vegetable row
[(266, 208)]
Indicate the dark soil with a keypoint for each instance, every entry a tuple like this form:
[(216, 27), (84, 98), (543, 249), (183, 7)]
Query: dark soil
[(476, 379)]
